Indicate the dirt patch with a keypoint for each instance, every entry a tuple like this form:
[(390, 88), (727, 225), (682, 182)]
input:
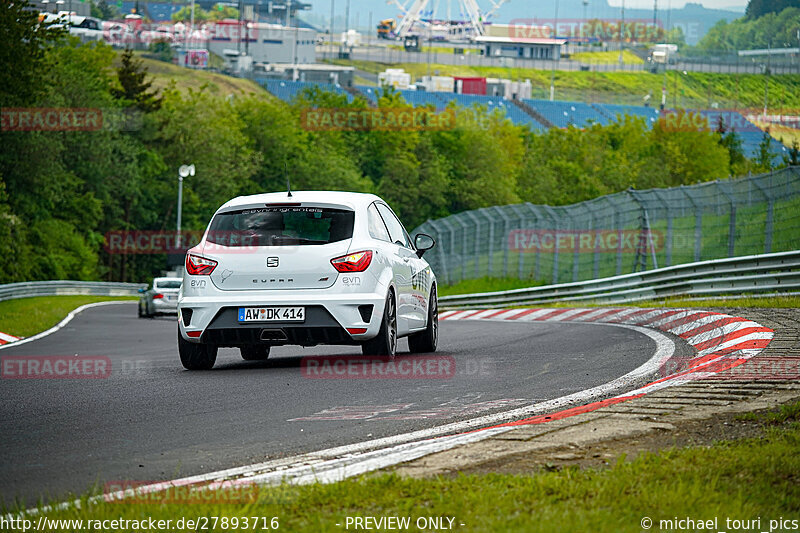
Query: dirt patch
[(725, 427)]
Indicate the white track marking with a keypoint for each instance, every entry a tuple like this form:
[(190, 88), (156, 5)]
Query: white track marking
[(534, 315), (667, 319), (589, 316), (565, 315), (696, 323), (737, 341), (5, 337), (721, 331), (63, 323)]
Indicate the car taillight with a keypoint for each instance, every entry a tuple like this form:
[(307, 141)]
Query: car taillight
[(199, 266), (157, 296), (355, 262)]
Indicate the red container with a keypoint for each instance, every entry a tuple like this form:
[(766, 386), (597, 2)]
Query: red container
[(470, 85)]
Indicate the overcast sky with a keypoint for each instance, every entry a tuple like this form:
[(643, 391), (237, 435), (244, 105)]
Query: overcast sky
[(737, 5)]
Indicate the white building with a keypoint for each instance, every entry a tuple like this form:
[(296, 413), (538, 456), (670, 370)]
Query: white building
[(265, 43), (520, 41)]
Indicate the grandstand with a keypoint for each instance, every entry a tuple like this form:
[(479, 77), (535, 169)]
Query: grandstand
[(288, 90), (564, 114), (560, 114)]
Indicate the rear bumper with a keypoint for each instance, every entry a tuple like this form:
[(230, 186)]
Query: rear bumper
[(161, 305), (328, 317)]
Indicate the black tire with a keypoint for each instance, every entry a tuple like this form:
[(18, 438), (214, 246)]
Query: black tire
[(256, 352), (385, 342), (196, 356), (139, 309), (426, 341)]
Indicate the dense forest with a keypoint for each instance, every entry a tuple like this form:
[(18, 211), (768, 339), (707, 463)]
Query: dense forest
[(764, 26), (62, 191)]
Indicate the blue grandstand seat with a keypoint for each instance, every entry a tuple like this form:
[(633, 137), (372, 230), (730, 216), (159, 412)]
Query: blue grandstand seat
[(288, 90), (563, 114)]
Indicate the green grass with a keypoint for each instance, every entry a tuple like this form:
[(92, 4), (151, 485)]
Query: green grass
[(166, 74), (692, 90), (486, 284), (610, 57), (24, 317), (743, 479), (766, 302)]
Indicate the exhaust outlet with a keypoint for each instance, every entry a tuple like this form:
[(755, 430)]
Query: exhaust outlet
[(273, 335)]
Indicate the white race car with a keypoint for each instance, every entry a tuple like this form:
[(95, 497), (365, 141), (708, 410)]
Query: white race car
[(306, 268)]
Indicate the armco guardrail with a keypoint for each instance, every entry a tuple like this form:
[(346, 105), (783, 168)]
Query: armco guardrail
[(779, 272), (65, 287)]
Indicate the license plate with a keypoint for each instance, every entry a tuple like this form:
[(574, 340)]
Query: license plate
[(272, 314), (172, 297)]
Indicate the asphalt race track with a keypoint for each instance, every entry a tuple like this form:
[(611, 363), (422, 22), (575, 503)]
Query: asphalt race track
[(151, 420)]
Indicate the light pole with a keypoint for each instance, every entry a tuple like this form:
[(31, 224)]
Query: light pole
[(621, 32), (183, 172), (553, 71), (330, 42)]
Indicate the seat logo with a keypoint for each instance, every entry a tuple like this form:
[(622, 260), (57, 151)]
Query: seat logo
[(272, 262)]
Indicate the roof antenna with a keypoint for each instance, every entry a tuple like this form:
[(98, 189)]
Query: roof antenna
[(288, 185)]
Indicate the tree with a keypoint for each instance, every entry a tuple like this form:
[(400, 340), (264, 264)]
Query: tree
[(105, 11), (22, 55), (759, 8), (184, 14), (731, 141), (764, 157), (222, 12), (794, 153), (132, 77)]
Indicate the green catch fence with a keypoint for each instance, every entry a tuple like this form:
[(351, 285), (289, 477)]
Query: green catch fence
[(620, 233)]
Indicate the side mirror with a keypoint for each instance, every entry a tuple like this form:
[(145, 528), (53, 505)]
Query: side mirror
[(423, 243), (141, 291)]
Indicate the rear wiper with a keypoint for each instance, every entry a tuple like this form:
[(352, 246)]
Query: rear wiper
[(296, 240)]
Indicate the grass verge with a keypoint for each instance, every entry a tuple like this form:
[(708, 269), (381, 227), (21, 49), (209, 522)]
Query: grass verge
[(486, 284), (24, 317), (184, 79), (743, 479), (690, 90)]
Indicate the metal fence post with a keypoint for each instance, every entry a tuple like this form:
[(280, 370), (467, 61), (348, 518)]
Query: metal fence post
[(768, 222), (505, 239), (646, 229), (552, 214), (668, 238), (463, 245), (731, 219), (471, 215), (491, 242), (698, 222), (618, 228), (452, 232), (538, 261), (520, 256), (592, 229)]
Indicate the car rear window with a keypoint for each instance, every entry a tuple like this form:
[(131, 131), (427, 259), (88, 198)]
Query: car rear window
[(168, 284), (281, 226)]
